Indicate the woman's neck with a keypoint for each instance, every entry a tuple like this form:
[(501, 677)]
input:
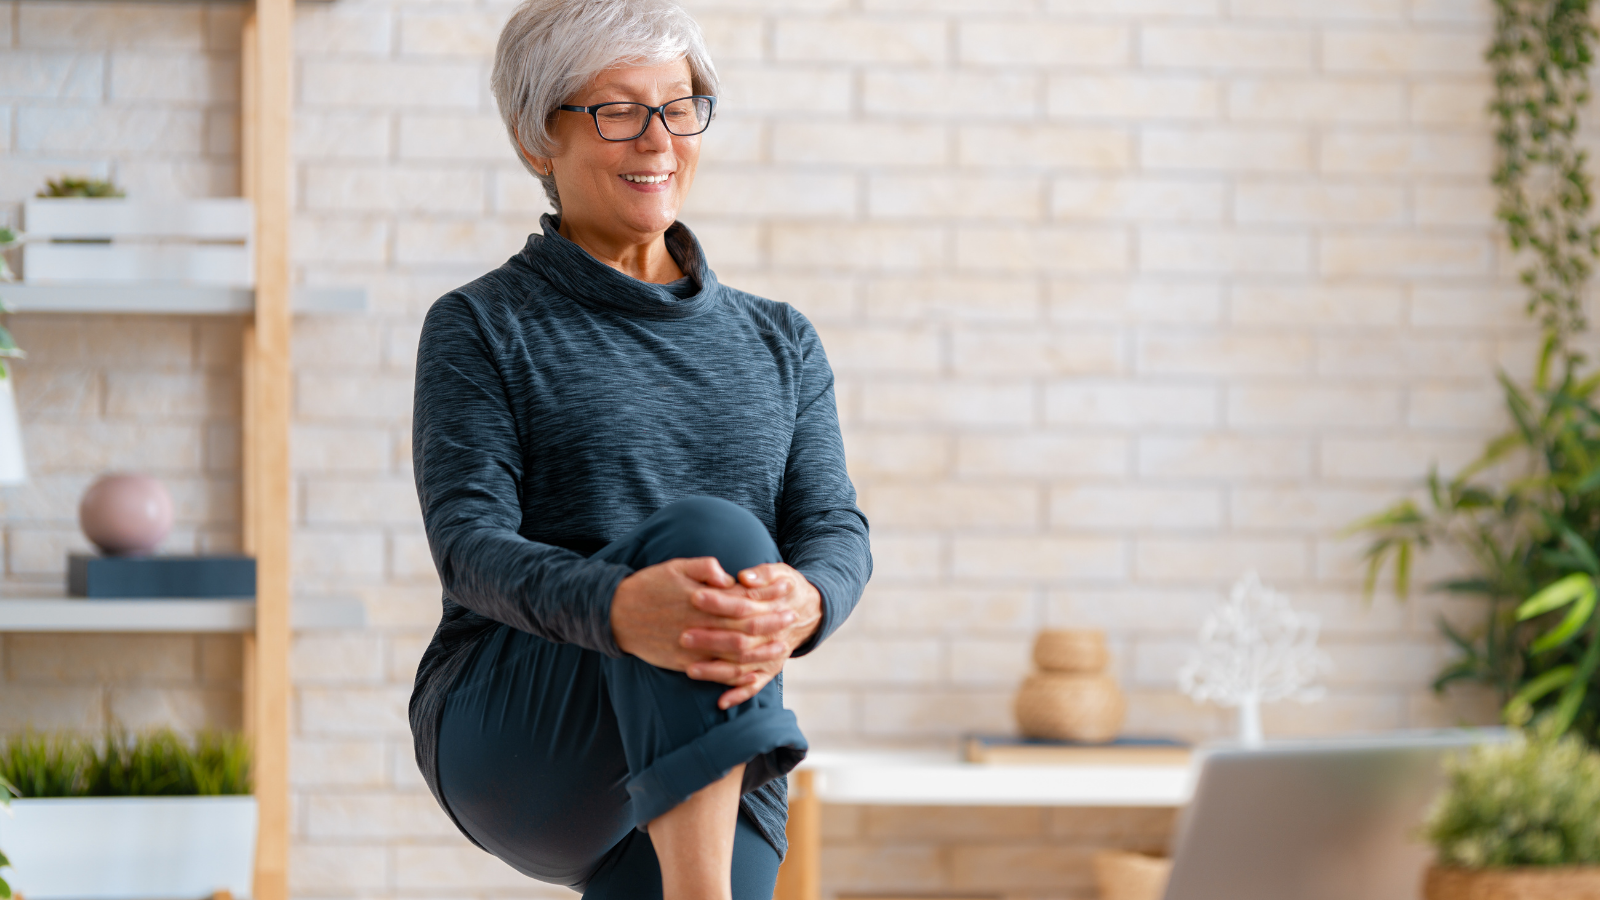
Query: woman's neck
[(647, 261)]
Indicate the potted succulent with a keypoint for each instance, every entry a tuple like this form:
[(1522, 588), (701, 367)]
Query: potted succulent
[(1519, 821), (147, 815)]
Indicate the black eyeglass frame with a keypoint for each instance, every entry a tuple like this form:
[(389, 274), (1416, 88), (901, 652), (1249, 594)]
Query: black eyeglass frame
[(655, 112)]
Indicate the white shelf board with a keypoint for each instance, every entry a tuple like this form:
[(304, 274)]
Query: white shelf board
[(912, 778), (202, 615), (128, 615), (178, 299)]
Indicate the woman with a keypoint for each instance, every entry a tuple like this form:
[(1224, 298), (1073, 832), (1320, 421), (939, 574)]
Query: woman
[(634, 490)]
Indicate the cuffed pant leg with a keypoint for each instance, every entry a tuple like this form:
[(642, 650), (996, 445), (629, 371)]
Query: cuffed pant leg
[(676, 739)]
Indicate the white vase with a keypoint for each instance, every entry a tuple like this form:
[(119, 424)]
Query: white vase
[(13, 465), (130, 848)]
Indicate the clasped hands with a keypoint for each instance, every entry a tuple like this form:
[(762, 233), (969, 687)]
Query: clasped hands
[(690, 616)]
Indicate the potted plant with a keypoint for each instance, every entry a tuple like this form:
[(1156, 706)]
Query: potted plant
[(7, 791), (1519, 821), (147, 815)]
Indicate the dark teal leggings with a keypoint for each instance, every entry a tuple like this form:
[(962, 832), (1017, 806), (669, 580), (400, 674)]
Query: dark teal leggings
[(552, 756)]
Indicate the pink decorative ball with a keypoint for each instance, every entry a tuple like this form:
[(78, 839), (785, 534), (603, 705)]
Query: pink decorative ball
[(125, 513)]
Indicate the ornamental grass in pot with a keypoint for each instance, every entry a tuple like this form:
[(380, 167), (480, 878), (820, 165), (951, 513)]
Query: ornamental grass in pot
[(1519, 821)]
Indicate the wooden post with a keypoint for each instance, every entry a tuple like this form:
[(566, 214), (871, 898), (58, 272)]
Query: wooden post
[(265, 172), (800, 876)]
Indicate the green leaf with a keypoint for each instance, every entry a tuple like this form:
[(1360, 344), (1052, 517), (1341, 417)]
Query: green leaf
[(1520, 709), (5, 890), (1402, 569), (1575, 619), (1555, 596), (1576, 688), (1579, 547)]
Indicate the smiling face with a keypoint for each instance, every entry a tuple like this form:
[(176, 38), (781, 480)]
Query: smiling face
[(624, 192)]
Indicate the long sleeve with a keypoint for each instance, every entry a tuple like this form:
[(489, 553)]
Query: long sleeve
[(469, 462), (821, 532)]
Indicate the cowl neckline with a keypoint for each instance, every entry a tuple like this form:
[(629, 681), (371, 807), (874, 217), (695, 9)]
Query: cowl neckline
[(572, 271)]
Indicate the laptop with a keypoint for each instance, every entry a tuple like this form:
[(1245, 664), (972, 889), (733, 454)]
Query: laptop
[(1336, 819)]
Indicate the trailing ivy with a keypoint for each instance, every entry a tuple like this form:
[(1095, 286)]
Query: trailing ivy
[(1541, 55)]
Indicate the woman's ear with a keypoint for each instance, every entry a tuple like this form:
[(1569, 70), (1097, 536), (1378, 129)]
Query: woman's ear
[(539, 163)]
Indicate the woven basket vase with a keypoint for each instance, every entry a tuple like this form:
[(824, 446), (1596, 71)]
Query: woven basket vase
[(1071, 650), (1555, 883), (1131, 876)]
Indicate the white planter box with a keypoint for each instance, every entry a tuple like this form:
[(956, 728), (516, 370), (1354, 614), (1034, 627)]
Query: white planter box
[(130, 848), (194, 242)]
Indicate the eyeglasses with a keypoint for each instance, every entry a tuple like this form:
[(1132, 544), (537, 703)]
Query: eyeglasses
[(684, 117)]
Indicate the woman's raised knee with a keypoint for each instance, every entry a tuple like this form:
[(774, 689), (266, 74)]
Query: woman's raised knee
[(709, 526)]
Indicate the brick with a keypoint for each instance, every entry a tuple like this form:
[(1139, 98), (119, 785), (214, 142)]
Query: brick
[(1475, 410), (1141, 97), (1037, 42), (856, 40), (952, 403), (953, 195), (820, 297), (1136, 7), (109, 130), (183, 708), (1453, 102), (453, 33), (729, 244), (1357, 10), (774, 193), (960, 96), (859, 143), (1455, 204), (315, 658), (1316, 305), (338, 135), (48, 708), (147, 26), (372, 189), (322, 869), (1225, 150), (1312, 407), (411, 560), (315, 239), (101, 446), (733, 36), (459, 137), (51, 76), (1224, 456), (878, 349), (222, 132), (1224, 354), (448, 870), (1186, 302), (345, 396), (1216, 252), (1406, 458), (464, 242), (98, 658), (960, 506), (1132, 508), (1396, 52), (1334, 714), (1137, 199), (319, 449), (1498, 307), (1288, 100), (57, 392), (331, 816), (821, 711), (1126, 608), (933, 713), (335, 763), (1041, 455), (1209, 559), (1321, 202), (875, 247), (1303, 508), (734, 140), (339, 557), (764, 88), (404, 656), (1012, 867), (863, 662), (178, 78), (953, 824), (221, 659), (1405, 153), (343, 31), (956, 297), (1231, 46), (336, 342), (1402, 356), (516, 193), (946, 610), (875, 869), (1050, 249), (1404, 255), (1042, 146), (389, 83), (1032, 557), (905, 557), (155, 395), (353, 710), (1131, 405), (1035, 352)]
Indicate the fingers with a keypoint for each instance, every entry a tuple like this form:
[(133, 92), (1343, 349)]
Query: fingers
[(707, 570), (738, 695), (725, 605), (732, 646)]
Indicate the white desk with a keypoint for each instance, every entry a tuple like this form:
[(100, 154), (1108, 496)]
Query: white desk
[(912, 778)]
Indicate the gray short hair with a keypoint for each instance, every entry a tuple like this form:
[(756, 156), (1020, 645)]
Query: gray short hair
[(549, 49)]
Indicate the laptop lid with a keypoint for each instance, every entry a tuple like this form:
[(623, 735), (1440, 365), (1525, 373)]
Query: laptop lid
[(1331, 819)]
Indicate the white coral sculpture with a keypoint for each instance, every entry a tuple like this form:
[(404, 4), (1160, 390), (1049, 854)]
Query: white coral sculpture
[(1255, 649)]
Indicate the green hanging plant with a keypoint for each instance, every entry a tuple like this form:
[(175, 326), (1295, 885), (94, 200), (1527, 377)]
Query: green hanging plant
[(8, 344), (69, 186), (1525, 515)]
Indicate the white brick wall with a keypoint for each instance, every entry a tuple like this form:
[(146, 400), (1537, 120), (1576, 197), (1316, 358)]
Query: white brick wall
[(1124, 296)]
